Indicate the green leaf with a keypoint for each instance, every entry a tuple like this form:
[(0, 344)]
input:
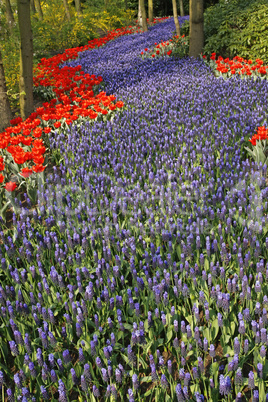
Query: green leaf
[(146, 379), (125, 358), (214, 329), (214, 368), (167, 397), (149, 392), (232, 327), (160, 341), (169, 334), (143, 363), (149, 345)]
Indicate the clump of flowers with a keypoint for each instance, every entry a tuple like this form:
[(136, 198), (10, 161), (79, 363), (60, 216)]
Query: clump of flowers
[(237, 66), (22, 144), (180, 46), (72, 96), (161, 49), (176, 46), (260, 149)]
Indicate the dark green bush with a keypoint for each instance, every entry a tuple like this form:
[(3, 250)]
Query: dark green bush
[(185, 28), (238, 27)]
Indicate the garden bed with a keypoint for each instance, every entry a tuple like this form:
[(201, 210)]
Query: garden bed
[(142, 272)]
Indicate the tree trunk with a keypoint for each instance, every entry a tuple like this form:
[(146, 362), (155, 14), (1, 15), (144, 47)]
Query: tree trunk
[(39, 10), (196, 28), (9, 15), (175, 15), (67, 10), (33, 7), (5, 111), (181, 8), (26, 58), (143, 16), (150, 11), (139, 14), (78, 7)]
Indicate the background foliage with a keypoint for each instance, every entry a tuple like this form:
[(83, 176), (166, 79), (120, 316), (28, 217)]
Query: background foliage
[(164, 7), (237, 27), (47, 36)]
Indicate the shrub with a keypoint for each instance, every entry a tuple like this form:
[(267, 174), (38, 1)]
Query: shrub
[(47, 36), (237, 28), (11, 60), (185, 28)]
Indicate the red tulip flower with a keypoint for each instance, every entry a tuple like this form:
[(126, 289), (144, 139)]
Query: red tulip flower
[(10, 186)]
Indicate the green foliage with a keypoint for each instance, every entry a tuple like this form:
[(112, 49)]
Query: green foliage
[(216, 15), (185, 28), (10, 53), (10, 47), (118, 15), (259, 152), (164, 8), (47, 37), (237, 28)]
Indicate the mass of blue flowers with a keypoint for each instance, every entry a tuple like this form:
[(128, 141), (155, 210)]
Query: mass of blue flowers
[(142, 273)]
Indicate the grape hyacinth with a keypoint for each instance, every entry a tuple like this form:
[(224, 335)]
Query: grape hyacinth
[(146, 237)]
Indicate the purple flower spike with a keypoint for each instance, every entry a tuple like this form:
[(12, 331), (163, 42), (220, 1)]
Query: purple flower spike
[(180, 394), (130, 396), (260, 370), (13, 348), (51, 360), (84, 384), (238, 397), (238, 377), (118, 375), (251, 382), (212, 351), (66, 356), (262, 351), (164, 381), (74, 377), (236, 346), (17, 381), (176, 343), (255, 396), (87, 373), (246, 346), (44, 393), (2, 378), (53, 376), (114, 391), (199, 397), (169, 365), (135, 381), (10, 395), (96, 392), (32, 369), (104, 375), (225, 385)]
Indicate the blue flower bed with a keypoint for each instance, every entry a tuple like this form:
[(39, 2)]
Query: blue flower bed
[(143, 271)]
